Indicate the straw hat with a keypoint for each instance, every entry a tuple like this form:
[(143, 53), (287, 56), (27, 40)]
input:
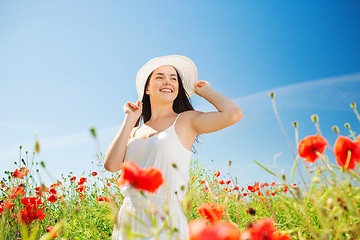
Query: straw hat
[(183, 65)]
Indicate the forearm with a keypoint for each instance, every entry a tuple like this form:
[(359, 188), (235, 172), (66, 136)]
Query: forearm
[(220, 102), (116, 152)]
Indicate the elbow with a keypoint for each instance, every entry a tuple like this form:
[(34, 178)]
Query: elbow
[(110, 167), (236, 115)]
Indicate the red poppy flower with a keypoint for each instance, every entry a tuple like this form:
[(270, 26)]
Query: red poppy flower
[(103, 199), (245, 194), (19, 191), (148, 179), (31, 201), (8, 204), (221, 182), (311, 147), (18, 174), (217, 174), (52, 198), (212, 211), (49, 229), (347, 152), (82, 181), (2, 208), (52, 191), (236, 188), (80, 188), (228, 182), (54, 185), (262, 229), (94, 174), (200, 230), (29, 215), (72, 178)]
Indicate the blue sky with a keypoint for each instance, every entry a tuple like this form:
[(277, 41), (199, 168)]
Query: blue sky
[(66, 66)]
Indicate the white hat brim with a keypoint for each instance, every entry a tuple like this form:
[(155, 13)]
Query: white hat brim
[(183, 65)]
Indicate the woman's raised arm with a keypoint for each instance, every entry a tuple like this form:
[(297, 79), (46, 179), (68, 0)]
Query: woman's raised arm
[(228, 112), (116, 152)]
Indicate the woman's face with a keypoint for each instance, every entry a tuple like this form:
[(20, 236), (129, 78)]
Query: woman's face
[(163, 84)]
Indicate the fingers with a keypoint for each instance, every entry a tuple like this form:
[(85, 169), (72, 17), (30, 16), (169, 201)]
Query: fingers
[(202, 83), (134, 106)]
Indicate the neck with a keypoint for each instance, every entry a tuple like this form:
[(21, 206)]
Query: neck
[(161, 110)]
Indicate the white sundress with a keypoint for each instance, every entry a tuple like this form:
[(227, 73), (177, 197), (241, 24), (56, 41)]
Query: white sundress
[(164, 151)]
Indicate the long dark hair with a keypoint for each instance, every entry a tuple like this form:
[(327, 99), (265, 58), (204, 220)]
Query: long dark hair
[(181, 104)]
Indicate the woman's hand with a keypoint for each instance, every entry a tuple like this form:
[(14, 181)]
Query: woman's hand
[(133, 110), (202, 87)]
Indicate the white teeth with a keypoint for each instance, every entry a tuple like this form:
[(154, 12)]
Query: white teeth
[(165, 90)]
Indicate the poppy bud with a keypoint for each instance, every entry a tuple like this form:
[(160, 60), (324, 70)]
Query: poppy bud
[(93, 132), (336, 129), (37, 146), (272, 95), (353, 105), (315, 118), (295, 124), (347, 125)]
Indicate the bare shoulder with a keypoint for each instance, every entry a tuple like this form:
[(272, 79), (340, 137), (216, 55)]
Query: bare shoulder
[(190, 114), (186, 120)]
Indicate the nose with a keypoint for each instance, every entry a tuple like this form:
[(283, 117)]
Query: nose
[(167, 81)]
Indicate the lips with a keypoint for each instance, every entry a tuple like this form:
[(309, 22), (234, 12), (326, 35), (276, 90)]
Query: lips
[(166, 90)]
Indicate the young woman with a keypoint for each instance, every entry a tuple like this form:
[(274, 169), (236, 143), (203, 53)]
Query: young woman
[(164, 141)]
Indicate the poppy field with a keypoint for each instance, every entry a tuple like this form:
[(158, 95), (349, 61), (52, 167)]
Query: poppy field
[(325, 204)]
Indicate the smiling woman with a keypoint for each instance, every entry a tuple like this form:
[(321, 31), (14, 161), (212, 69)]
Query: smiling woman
[(164, 141)]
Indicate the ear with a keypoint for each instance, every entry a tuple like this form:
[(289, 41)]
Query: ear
[(147, 90)]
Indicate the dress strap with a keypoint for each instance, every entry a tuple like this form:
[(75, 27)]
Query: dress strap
[(176, 119)]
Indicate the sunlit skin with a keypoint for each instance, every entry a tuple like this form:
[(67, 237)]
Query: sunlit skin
[(191, 123), (163, 80)]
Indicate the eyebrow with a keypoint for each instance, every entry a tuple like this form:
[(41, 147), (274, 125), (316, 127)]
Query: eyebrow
[(170, 74)]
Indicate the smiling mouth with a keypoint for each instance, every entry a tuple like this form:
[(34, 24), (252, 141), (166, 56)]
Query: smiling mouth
[(166, 90)]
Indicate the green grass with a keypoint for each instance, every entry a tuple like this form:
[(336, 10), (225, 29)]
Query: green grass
[(324, 207)]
